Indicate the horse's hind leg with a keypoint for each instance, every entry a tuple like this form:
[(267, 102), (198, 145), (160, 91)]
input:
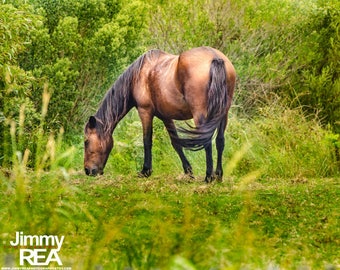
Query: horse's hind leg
[(170, 126), (209, 177), (220, 147), (208, 152)]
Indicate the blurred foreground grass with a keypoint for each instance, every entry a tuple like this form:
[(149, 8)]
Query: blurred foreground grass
[(170, 222)]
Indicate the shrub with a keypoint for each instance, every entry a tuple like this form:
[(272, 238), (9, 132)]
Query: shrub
[(72, 50), (15, 83)]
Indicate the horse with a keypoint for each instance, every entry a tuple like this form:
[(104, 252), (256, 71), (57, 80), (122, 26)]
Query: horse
[(197, 84)]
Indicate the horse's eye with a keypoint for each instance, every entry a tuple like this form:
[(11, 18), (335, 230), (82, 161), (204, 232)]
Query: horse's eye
[(86, 143)]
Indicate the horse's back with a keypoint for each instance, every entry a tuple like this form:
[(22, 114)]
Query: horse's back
[(195, 64), (175, 86)]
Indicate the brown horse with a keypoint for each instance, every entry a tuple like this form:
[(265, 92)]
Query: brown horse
[(197, 84)]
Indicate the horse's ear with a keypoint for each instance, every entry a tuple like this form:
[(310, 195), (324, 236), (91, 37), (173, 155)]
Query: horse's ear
[(92, 122)]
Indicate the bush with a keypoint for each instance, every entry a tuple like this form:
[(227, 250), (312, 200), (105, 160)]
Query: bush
[(79, 49), (15, 83), (72, 50), (316, 69)]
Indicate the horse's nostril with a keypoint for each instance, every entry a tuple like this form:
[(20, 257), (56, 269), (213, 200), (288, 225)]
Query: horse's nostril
[(87, 171), (94, 172)]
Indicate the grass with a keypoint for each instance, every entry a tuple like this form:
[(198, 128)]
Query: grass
[(218, 226), (278, 207), (163, 222)]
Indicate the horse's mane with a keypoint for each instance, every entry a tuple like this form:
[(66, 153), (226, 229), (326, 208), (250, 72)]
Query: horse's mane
[(118, 100)]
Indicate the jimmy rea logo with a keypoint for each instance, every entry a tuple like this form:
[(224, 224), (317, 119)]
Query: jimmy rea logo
[(37, 250)]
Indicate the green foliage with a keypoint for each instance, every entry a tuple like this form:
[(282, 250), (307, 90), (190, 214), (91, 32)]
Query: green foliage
[(174, 33), (291, 49), (71, 49), (15, 83), (81, 47), (31, 200), (179, 25), (316, 82)]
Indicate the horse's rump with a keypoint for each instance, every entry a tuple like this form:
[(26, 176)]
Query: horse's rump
[(216, 95)]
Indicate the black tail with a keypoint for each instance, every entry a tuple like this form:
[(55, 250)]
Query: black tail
[(196, 138)]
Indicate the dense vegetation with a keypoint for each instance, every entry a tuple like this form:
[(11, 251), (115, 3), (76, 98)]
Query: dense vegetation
[(282, 161), (73, 50)]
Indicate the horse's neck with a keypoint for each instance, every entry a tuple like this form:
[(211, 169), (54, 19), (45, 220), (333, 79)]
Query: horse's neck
[(113, 110), (117, 102)]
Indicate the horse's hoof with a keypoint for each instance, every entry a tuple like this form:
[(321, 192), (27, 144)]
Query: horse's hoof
[(218, 176), (209, 179), (188, 172), (191, 176), (219, 179), (144, 173)]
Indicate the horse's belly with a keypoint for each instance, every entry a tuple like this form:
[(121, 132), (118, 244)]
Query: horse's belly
[(175, 115), (173, 108)]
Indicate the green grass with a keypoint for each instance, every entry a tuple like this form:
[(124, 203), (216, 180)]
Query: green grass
[(123, 221)]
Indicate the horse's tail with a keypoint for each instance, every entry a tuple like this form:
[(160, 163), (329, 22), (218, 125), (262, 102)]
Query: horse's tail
[(196, 138)]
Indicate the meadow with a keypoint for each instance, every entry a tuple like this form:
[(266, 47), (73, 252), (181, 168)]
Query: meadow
[(259, 217)]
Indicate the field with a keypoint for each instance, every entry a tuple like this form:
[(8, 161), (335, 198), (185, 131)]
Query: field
[(251, 220), (175, 223), (170, 223)]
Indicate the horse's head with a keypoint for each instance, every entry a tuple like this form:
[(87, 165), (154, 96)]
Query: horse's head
[(98, 145)]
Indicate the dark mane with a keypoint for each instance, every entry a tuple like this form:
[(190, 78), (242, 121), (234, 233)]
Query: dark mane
[(117, 101)]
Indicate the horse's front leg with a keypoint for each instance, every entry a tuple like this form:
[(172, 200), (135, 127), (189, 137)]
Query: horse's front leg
[(146, 118)]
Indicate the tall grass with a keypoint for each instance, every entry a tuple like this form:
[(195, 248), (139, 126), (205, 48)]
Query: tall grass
[(284, 143), (36, 197)]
